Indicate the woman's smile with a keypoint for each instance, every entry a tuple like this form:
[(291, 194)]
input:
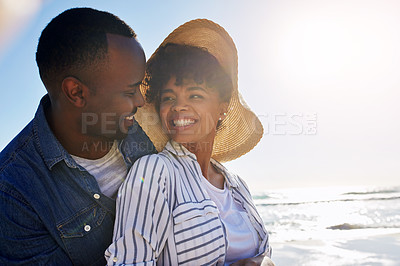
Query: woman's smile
[(182, 122)]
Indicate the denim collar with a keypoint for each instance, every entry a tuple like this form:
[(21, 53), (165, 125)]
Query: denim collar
[(49, 147), (180, 150)]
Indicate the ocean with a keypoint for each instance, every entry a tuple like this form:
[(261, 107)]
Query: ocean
[(332, 225)]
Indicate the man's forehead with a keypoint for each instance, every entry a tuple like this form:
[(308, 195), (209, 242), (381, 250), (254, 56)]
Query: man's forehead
[(120, 41)]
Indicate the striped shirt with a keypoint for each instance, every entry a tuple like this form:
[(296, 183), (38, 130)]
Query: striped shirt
[(166, 217)]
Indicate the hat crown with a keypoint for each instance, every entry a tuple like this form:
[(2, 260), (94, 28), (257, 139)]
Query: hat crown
[(204, 33)]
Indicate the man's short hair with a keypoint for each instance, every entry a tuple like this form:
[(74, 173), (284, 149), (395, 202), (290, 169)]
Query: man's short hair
[(76, 41)]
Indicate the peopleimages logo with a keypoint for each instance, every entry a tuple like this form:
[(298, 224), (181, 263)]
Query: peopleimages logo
[(109, 122), (289, 124), (273, 124)]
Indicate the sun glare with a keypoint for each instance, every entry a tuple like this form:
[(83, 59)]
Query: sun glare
[(13, 16), (338, 49)]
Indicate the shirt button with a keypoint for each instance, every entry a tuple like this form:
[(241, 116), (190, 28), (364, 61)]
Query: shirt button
[(115, 259), (87, 228), (96, 196)]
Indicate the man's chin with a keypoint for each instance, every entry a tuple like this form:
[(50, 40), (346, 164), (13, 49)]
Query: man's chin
[(116, 136), (120, 136)]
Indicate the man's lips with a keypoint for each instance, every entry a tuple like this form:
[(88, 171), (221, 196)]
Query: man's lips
[(130, 118)]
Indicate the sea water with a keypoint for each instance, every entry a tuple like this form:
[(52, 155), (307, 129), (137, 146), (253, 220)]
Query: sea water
[(334, 218)]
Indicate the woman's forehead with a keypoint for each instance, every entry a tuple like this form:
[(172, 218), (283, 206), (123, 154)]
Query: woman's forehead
[(186, 84)]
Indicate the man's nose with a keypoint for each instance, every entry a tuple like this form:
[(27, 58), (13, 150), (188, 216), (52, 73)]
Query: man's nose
[(138, 101)]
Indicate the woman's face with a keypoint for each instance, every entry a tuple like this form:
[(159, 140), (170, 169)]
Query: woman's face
[(189, 112)]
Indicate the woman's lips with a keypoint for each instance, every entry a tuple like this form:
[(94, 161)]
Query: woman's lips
[(183, 122)]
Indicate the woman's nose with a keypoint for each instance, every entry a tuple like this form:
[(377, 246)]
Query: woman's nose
[(179, 106)]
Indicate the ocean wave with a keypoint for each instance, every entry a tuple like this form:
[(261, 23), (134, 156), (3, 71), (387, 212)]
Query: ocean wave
[(261, 196), (327, 201), (347, 226), (382, 191)]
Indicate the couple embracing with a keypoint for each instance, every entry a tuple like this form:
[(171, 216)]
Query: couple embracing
[(84, 176)]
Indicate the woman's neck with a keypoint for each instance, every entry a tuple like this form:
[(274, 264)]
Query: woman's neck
[(203, 152)]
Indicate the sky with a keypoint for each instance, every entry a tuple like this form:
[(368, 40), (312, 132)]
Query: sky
[(322, 76)]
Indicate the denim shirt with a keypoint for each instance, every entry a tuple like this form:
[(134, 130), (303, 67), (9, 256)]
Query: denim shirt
[(52, 211)]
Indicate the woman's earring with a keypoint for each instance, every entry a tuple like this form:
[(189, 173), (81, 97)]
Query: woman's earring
[(220, 118), (224, 115)]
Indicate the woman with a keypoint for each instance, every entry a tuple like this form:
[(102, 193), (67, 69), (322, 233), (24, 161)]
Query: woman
[(181, 206)]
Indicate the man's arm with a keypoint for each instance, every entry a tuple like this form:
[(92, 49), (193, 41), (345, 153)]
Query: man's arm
[(23, 237)]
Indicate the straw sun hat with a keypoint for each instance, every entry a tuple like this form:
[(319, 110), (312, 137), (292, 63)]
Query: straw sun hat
[(240, 130)]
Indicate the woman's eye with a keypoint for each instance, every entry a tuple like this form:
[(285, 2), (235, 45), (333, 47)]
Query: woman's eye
[(196, 96), (166, 99)]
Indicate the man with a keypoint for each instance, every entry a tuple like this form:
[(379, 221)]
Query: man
[(60, 175)]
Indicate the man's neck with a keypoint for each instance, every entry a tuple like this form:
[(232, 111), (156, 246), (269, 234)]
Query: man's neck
[(91, 149)]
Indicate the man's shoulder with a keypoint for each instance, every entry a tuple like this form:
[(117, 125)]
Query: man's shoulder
[(136, 144), (19, 154)]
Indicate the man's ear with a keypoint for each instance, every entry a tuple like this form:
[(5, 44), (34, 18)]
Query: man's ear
[(75, 91)]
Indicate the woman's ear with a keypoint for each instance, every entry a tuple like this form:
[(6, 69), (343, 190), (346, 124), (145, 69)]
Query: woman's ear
[(75, 91)]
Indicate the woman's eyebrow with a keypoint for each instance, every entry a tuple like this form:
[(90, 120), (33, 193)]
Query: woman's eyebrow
[(196, 88), (167, 90)]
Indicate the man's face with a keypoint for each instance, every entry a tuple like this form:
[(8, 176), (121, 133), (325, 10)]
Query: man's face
[(110, 108)]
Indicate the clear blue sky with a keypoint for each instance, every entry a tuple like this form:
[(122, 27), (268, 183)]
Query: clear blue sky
[(323, 76)]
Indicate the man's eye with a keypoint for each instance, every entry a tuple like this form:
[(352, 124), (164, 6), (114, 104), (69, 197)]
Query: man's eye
[(130, 94)]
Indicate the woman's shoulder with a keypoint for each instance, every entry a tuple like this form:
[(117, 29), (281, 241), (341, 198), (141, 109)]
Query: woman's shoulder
[(152, 164), (152, 159), (150, 169)]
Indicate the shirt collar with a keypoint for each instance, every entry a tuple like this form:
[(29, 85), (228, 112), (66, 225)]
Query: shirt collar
[(231, 179), (49, 147), (180, 150)]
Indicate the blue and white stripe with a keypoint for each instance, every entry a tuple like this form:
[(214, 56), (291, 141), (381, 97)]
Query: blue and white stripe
[(166, 217)]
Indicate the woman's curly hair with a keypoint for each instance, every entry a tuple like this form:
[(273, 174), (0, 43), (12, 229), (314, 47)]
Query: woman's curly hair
[(185, 62)]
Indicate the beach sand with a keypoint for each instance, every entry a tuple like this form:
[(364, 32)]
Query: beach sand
[(371, 249)]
